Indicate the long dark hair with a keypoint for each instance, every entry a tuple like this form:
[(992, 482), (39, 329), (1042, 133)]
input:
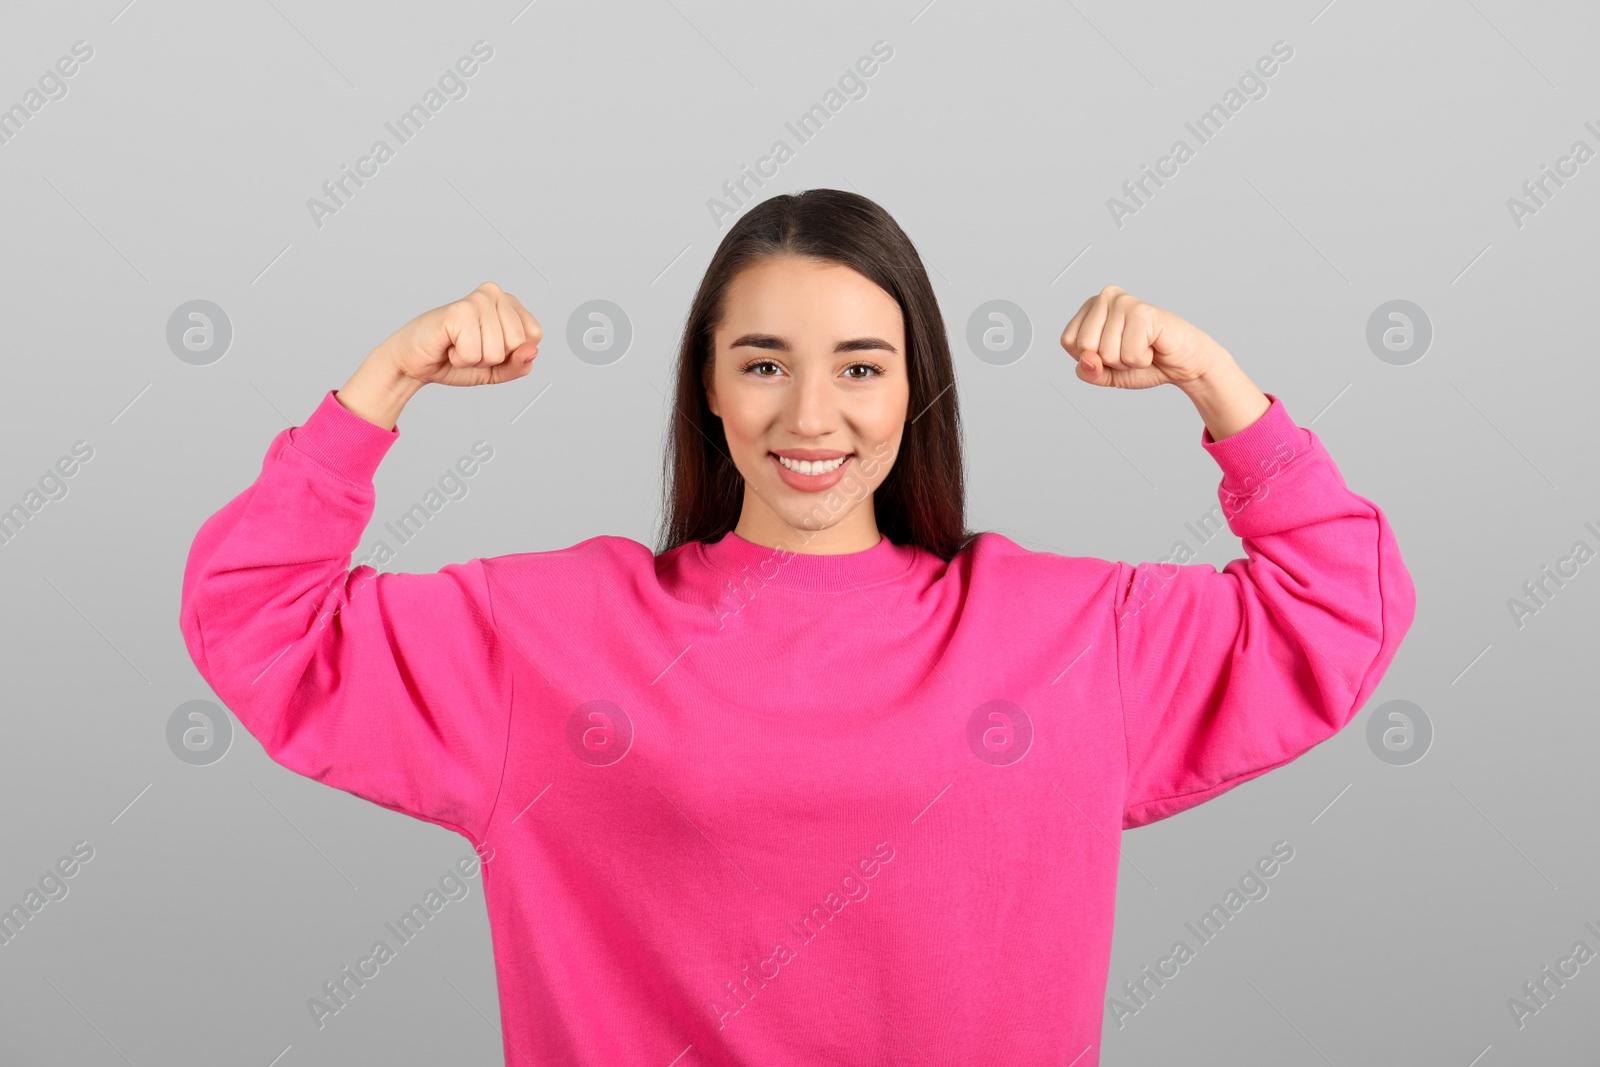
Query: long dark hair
[(922, 500)]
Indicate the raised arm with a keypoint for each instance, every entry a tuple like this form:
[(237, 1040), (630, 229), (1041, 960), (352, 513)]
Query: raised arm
[(393, 687), (1227, 675)]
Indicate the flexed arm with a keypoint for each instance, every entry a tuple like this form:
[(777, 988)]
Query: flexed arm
[(393, 687), (1227, 675)]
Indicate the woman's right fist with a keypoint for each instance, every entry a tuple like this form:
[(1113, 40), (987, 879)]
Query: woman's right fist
[(485, 338)]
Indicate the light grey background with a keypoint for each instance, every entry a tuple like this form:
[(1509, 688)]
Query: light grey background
[(578, 167)]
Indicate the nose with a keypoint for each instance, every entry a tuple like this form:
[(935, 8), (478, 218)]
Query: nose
[(812, 406)]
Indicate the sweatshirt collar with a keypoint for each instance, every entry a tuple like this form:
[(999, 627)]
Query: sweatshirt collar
[(783, 567)]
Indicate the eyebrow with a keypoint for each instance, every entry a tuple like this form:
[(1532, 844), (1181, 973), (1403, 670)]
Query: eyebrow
[(855, 344)]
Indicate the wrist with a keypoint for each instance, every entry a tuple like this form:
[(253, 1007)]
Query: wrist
[(1226, 399), (1223, 374), (379, 390), (387, 368)]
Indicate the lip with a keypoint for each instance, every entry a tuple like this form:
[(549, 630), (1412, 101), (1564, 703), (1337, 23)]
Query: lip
[(812, 454), (810, 483)]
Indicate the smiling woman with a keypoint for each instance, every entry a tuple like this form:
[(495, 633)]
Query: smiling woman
[(814, 339), (796, 418), (673, 768)]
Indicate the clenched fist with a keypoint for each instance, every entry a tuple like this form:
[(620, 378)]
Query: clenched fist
[(485, 338), (1123, 342)]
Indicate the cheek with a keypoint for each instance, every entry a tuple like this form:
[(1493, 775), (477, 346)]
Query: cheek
[(880, 453), (745, 423), (879, 417), (741, 414)]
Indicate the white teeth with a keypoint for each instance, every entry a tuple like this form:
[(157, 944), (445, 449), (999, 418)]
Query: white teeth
[(805, 466)]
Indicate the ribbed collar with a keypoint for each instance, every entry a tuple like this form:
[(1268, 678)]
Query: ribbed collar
[(809, 572)]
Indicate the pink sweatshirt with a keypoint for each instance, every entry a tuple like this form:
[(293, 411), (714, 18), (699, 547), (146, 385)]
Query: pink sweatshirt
[(743, 806)]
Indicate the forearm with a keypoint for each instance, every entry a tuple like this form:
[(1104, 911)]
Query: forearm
[(1226, 398), (378, 391)]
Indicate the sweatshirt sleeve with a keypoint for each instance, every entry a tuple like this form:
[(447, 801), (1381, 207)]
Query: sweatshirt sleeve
[(1226, 675), (393, 687)]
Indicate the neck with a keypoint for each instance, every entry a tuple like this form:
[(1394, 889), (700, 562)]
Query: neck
[(856, 532), (748, 566)]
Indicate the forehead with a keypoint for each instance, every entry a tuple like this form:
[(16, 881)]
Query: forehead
[(807, 298)]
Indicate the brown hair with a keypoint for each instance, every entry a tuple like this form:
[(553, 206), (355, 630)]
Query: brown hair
[(922, 500)]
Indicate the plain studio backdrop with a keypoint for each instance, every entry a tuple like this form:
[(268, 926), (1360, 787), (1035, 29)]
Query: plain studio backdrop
[(1400, 153)]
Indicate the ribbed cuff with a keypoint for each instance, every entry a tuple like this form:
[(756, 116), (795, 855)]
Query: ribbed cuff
[(343, 441), (1257, 452)]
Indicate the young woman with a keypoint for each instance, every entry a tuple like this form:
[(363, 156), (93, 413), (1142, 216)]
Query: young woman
[(824, 778)]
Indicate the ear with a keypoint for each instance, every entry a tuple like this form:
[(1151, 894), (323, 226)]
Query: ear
[(707, 381)]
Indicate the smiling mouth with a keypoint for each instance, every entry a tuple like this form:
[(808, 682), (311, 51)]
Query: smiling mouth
[(811, 468)]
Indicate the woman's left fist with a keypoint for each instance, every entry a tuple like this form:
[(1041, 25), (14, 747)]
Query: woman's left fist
[(1123, 342)]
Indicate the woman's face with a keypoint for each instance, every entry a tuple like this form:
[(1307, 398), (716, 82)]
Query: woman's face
[(809, 364)]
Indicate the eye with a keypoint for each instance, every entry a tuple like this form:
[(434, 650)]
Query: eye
[(758, 363), (872, 368)]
